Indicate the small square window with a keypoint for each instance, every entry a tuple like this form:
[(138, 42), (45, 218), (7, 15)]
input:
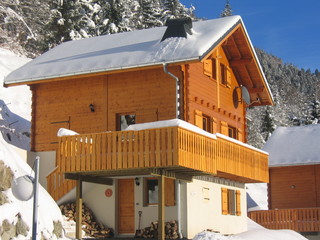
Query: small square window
[(151, 191), (232, 132), (125, 120)]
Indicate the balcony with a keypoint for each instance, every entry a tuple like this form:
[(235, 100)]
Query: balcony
[(297, 219), (179, 152)]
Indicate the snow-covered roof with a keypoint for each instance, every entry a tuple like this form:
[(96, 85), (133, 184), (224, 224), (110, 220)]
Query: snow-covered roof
[(290, 146), (124, 50)]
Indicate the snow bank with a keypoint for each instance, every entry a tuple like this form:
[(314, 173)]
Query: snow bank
[(255, 231), (48, 210)]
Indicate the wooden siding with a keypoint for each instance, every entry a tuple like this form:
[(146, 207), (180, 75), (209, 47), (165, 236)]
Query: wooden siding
[(149, 94), (172, 148), (213, 98), (300, 220), (294, 187)]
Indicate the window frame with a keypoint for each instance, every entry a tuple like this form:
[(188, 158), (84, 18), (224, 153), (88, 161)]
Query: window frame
[(118, 119)]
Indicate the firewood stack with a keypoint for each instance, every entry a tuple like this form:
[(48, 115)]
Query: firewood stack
[(89, 224), (171, 230)]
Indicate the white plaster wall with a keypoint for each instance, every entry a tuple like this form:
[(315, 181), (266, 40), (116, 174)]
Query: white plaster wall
[(102, 206), (207, 214), (46, 164)]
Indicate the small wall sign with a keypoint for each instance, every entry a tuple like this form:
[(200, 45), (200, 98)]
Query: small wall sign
[(108, 192)]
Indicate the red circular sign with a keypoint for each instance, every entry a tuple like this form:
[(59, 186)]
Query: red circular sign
[(108, 192)]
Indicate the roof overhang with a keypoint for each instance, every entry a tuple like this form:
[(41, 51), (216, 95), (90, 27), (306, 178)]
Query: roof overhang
[(245, 64)]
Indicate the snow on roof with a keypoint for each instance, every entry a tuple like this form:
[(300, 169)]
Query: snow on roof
[(294, 146), (125, 50)]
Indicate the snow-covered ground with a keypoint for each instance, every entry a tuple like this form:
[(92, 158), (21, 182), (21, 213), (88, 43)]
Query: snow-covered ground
[(15, 117)]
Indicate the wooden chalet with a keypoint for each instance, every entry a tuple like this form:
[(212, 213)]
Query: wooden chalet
[(183, 90), (294, 187)]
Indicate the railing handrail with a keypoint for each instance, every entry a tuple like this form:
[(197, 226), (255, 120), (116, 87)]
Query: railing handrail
[(297, 219)]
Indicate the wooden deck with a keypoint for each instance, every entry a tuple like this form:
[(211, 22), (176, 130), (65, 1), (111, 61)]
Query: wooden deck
[(173, 149), (298, 219)]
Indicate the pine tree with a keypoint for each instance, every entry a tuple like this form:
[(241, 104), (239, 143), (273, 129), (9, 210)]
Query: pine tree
[(267, 126), (149, 15), (313, 113), (227, 11)]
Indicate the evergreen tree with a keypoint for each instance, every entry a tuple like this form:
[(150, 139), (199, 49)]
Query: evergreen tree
[(313, 113), (267, 126), (227, 11), (150, 14), (173, 9)]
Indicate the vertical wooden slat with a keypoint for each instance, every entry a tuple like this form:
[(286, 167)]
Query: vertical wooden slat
[(130, 149), (79, 209), (158, 148), (141, 149), (147, 149)]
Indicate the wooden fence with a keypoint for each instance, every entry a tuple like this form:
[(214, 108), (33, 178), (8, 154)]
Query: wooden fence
[(298, 219), (159, 148)]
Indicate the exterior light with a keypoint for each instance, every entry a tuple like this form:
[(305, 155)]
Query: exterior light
[(137, 181), (23, 188), (91, 106)]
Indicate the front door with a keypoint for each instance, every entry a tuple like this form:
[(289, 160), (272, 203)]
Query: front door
[(126, 206)]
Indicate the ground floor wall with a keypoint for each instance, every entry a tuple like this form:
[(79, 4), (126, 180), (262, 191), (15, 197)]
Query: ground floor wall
[(204, 207), (200, 207), (46, 164)]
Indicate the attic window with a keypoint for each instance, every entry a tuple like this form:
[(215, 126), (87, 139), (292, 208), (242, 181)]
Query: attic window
[(225, 75)]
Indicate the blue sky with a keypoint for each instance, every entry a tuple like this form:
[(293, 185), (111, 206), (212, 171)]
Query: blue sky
[(288, 29)]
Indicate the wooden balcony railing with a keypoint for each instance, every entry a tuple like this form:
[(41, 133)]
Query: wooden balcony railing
[(170, 147), (298, 219)]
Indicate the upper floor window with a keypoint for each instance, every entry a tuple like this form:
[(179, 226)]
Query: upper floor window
[(225, 75), (205, 122), (232, 132), (125, 120)]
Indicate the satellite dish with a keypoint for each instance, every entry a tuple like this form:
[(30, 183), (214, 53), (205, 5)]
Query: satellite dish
[(22, 188), (245, 96)]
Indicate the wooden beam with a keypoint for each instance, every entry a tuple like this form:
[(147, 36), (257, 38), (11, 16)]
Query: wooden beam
[(79, 209), (171, 174), (87, 178), (161, 193), (242, 61), (256, 89)]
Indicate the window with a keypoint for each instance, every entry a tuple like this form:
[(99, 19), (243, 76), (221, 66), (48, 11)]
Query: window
[(225, 75), (125, 120), (205, 122), (232, 132), (151, 191), (230, 200)]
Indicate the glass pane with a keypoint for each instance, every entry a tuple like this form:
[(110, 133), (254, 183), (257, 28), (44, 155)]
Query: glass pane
[(127, 120), (152, 191)]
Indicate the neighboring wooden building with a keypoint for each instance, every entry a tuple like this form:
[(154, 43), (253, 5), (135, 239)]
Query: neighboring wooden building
[(146, 80), (294, 188)]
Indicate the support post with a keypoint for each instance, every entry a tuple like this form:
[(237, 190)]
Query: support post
[(161, 193), (79, 209)]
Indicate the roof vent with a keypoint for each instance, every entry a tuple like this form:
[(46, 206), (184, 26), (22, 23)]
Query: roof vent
[(178, 28)]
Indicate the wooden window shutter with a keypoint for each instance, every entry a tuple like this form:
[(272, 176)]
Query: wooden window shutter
[(224, 128), (198, 121), (214, 125), (170, 192), (239, 135), (238, 203), (207, 67), (224, 201)]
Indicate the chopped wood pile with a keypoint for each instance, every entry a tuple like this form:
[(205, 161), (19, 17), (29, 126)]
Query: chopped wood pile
[(171, 231), (89, 224)]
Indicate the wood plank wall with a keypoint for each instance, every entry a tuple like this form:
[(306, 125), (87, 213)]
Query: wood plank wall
[(202, 94), (150, 94), (294, 187)]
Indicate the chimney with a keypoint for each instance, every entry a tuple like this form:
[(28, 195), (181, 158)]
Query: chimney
[(179, 27)]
